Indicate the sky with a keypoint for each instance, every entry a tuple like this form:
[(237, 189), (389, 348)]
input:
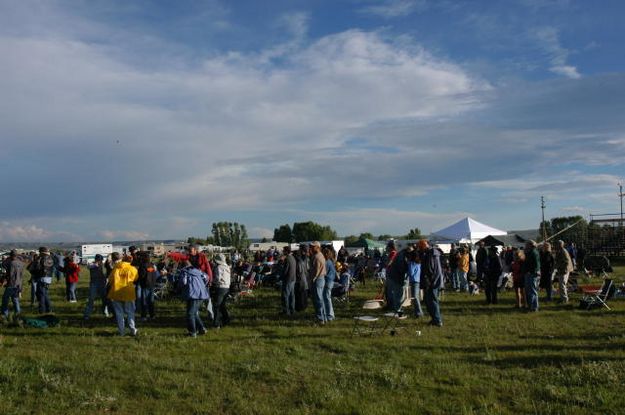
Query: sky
[(153, 119)]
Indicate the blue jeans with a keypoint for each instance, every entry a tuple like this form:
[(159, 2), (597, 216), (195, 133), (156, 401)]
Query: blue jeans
[(415, 292), (138, 301), (13, 294), (288, 298), (43, 297), (97, 290), (33, 291), (146, 301), (327, 300), (317, 292), (394, 295), (70, 291), (453, 276), (222, 317), (121, 308), (194, 322), (431, 302), (462, 280), (531, 291)]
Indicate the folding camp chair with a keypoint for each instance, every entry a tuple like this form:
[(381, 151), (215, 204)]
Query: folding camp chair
[(597, 297), (367, 324), (391, 322)]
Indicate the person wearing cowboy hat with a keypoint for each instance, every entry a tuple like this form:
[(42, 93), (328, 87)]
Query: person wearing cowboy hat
[(42, 271), (221, 287)]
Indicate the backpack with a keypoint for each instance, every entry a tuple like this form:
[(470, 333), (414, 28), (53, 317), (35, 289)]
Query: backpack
[(41, 265)]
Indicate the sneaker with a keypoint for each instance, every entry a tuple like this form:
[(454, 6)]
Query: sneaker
[(193, 335), (202, 332), (133, 332)]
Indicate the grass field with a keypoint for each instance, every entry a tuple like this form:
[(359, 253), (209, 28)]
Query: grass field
[(485, 360)]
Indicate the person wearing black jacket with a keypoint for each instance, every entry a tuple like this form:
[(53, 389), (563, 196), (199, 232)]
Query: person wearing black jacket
[(288, 277), (14, 268), (547, 263), (146, 283), (481, 258), (531, 274), (493, 272), (301, 278), (432, 280)]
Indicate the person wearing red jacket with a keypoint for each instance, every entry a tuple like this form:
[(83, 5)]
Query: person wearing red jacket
[(71, 271), (199, 261)]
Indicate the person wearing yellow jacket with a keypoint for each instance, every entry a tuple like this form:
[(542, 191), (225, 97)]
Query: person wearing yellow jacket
[(121, 292)]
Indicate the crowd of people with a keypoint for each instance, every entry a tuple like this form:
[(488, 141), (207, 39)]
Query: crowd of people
[(125, 283)]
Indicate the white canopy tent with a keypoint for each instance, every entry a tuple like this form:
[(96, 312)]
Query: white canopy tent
[(466, 230)]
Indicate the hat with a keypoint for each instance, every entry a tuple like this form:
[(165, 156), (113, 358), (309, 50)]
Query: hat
[(98, 257), (315, 243), (44, 250), (13, 252), (221, 259), (132, 248)]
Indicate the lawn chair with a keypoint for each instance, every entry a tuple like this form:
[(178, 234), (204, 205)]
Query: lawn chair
[(391, 322), (367, 325), (597, 297)]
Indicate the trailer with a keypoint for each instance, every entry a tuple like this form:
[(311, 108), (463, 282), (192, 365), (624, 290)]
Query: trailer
[(88, 252)]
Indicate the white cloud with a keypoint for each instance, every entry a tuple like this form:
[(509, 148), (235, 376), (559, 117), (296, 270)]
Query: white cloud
[(347, 119), (28, 232), (384, 220), (394, 8), (549, 40), (260, 232), (123, 235)]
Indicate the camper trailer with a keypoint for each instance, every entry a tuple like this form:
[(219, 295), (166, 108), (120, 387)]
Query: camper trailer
[(88, 252)]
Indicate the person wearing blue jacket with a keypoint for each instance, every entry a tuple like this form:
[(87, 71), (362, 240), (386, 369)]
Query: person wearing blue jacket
[(330, 276), (432, 280), (414, 277), (194, 285)]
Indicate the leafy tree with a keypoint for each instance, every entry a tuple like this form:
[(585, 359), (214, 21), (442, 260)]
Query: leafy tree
[(577, 233), (414, 234), (385, 237), (366, 235), (311, 231), (283, 234), (351, 240), (548, 230), (230, 234), (264, 240)]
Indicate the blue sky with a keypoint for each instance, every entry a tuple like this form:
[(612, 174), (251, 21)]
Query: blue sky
[(153, 119)]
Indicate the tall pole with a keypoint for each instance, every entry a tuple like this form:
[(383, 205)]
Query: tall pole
[(542, 207), (620, 194)]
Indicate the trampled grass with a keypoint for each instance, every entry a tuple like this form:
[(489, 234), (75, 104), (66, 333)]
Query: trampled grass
[(485, 360)]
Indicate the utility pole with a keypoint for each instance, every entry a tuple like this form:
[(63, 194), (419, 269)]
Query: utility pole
[(542, 207), (620, 194)]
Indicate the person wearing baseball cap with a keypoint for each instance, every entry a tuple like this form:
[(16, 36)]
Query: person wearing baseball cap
[(97, 286), (14, 269), (317, 277)]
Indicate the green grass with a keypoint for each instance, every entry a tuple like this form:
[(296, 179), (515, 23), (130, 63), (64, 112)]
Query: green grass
[(485, 360)]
